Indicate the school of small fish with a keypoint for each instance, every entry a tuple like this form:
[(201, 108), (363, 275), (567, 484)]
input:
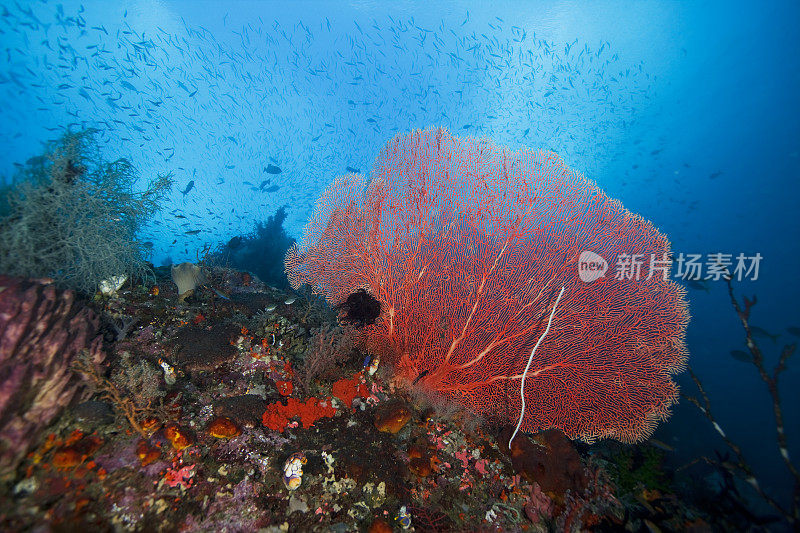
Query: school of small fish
[(243, 116)]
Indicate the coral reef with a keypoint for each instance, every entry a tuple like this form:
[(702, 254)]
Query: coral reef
[(391, 417), (638, 469), (465, 246), (74, 217), (246, 410), (133, 388), (200, 348), (348, 389), (42, 330), (206, 446)]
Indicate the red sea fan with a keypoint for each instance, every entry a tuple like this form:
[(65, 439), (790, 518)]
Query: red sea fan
[(467, 247)]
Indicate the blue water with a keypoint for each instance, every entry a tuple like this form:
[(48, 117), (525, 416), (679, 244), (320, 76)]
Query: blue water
[(687, 113)]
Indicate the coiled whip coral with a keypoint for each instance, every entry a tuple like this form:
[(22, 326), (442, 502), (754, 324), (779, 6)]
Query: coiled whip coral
[(467, 246)]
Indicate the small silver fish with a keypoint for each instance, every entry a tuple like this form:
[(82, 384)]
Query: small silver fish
[(220, 294), (290, 301)]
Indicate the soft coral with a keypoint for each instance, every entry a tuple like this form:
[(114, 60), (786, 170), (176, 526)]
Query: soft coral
[(347, 389), (278, 415)]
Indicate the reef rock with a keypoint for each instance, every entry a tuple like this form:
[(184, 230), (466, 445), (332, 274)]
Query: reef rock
[(205, 349), (549, 459), (42, 329)]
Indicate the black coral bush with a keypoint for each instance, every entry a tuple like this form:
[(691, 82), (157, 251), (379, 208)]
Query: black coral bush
[(73, 216)]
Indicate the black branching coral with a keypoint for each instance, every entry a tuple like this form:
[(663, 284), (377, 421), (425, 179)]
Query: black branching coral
[(72, 216)]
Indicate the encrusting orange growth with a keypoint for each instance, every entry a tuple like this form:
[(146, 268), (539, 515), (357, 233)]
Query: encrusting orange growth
[(67, 457), (146, 452), (224, 428), (379, 526), (421, 463), (278, 415), (74, 452), (80, 504), (420, 467), (149, 425), (392, 417), (179, 437)]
